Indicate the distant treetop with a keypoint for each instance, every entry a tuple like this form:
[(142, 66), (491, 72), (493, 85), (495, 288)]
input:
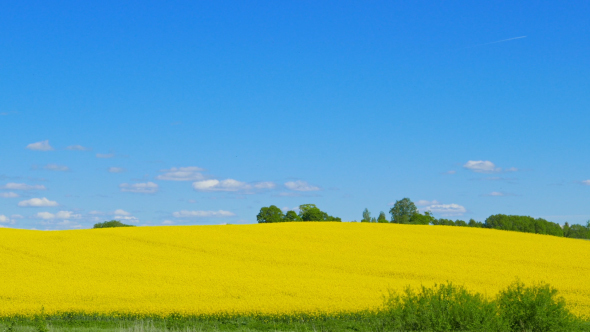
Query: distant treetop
[(112, 223)]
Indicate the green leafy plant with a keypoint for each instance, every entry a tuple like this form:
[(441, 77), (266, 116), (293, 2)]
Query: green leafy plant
[(534, 308)]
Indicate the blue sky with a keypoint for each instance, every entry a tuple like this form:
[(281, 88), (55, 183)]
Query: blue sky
[(203, 112)]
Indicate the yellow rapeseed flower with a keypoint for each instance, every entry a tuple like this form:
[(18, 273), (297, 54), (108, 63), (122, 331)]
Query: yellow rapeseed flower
[(272, 268)]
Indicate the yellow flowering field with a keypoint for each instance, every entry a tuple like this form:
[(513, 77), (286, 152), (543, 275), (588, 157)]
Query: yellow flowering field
[(272, 268)]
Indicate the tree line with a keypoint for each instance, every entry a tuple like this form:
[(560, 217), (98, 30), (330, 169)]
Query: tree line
[(307, 212), (404, 211)]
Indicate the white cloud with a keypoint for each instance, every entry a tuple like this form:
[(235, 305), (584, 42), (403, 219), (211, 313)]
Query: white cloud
[(17, 216), (116, 170), (586, 182), (40, 146), (447, 209), (224, 185), (423, 202), (232, 185), (37, 202), (105, 155), (481, 166), (486, 166), (300, 186), (4, 219), (143, 188), (78, 148), (202, 214), (191, 173), (167, 222), (95, 213), (496, 193), (22, 186), (122, 212), (123, 215), (265, 185), (450, 172), (8, 195), (59, 215), (55, 167)]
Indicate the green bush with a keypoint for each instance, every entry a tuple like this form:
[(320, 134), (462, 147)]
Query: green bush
[(448, 307), (535, 308), (112, 223), (441, 308)]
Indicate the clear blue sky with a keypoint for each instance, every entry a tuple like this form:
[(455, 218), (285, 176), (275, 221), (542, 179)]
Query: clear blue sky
[(203, 112)]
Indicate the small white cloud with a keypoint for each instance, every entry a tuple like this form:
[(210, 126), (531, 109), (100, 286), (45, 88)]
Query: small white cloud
[(5, 220), (167, 222), (447, 209), (224, 185), (202, 214), (191, 173), (423, 202), (37, 202), (481, 166), (143, 188), (40, 146), (265, 185), (22, 186), (8, 195), (55, 167), (450, 172), (121, 212), (511, 169), (95, 213), (78, 148), (300, 186), (123, 215), (59, 215), (105, 155), (586, 182), (496, 193), (16, 216), (116, 170)]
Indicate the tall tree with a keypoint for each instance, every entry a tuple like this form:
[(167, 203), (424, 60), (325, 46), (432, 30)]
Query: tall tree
[(366, 216), (291, 216), (270, 214), (382, 217), (402, 211), (303, 208)]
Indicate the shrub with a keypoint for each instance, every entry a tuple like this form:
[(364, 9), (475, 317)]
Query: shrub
[(441, 308), (535, 308), (112, 223)]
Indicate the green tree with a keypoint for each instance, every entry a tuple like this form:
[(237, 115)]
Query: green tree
[(473, 223), (310, 212), (382, 217), (313, 214), (422, 219), (402, 211), (270, 214), (291, 216), (112, 223), (366, 216)]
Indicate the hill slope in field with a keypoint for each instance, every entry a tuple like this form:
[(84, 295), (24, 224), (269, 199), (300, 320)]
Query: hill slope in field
[(272, 268)]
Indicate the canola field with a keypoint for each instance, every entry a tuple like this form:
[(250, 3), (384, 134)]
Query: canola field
[(282, 268)]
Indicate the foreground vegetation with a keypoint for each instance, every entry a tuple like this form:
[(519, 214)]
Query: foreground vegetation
[(445, 307)]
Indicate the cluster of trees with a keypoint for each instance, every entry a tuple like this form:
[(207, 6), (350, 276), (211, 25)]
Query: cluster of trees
[(405, 211), (112, 223), (307, 212)]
